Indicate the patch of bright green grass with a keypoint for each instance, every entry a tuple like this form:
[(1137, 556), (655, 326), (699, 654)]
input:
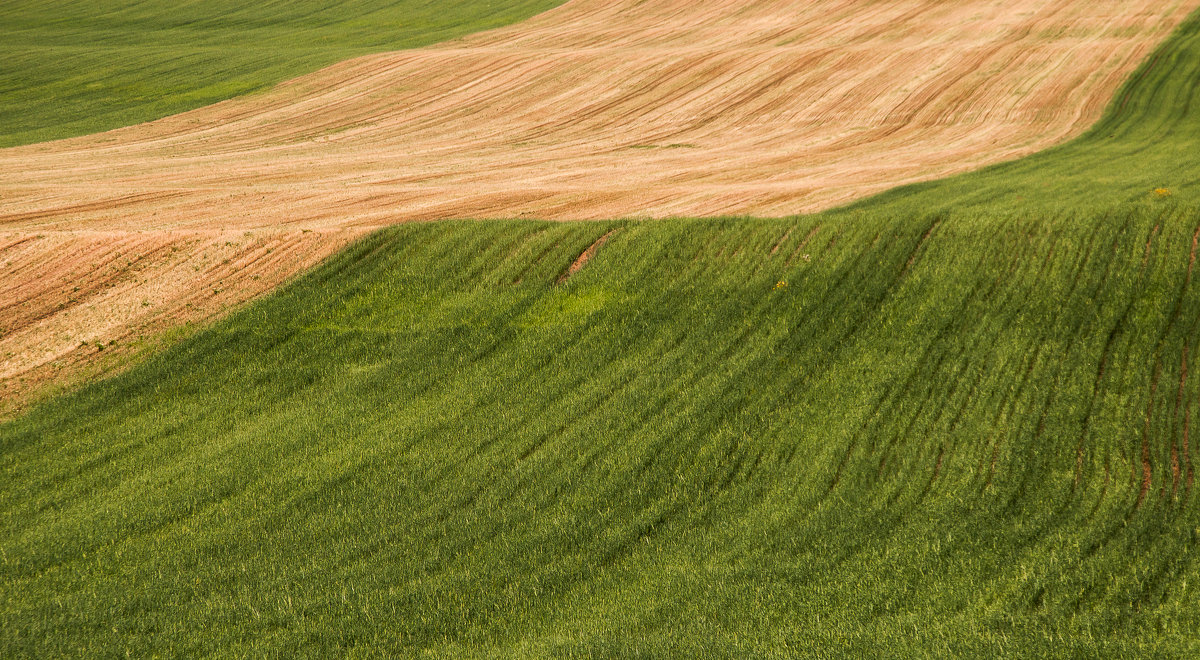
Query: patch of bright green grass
[(68, 67)]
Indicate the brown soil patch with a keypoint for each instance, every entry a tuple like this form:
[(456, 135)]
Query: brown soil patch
[(73, 300), (597, 109), (585, 256)]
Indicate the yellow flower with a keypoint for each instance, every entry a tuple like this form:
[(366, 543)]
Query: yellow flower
[(1162, 192)]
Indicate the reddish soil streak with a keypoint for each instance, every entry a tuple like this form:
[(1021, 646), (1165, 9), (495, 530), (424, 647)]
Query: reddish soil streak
[(1145, 455), (1149, 242), (586, 256)]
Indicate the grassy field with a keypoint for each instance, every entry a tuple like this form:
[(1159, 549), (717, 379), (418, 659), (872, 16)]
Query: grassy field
[(1147, 141), (68, 68), (906, 434), (946, 421)]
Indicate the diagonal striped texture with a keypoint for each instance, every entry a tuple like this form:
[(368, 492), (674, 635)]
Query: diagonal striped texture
[(595, 109)]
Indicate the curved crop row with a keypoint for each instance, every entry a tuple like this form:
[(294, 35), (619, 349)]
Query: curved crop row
[(1142, 151), (596, 109), (71, 68), (943, 435)]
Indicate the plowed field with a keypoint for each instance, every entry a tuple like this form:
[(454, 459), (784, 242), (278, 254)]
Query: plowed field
[(596, 109)]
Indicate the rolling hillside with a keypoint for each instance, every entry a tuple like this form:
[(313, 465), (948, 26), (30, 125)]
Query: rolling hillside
[(596, 109), (68, 68), (1147, 141), (615, 108), (946, 434), (954, 419)]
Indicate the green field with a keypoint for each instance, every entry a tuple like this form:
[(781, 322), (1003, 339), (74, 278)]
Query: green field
[(1148, 139), (946, 421), (929, 440), (73, 67)]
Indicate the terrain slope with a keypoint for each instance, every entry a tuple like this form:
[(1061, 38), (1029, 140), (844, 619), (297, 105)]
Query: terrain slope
[(951, 420), (591, 110), (914, 436), (69, 68)]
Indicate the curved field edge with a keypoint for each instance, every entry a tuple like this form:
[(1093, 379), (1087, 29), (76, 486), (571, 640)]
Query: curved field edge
[(82, 67), (615, 108), (72, 68), (81, 304), (947, 434), (1142, 150), (58, 324)]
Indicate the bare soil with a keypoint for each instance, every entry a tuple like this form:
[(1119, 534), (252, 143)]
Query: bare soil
[(597, 109)]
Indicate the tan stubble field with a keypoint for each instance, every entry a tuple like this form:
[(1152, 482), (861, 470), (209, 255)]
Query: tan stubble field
[(597, 109)]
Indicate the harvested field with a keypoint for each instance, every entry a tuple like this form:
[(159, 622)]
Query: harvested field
[(71, 298), (597, 109)]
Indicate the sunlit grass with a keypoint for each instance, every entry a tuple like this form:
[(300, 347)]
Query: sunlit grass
[(955, 420), (70, 68), (1147, 141), (933, 436)]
